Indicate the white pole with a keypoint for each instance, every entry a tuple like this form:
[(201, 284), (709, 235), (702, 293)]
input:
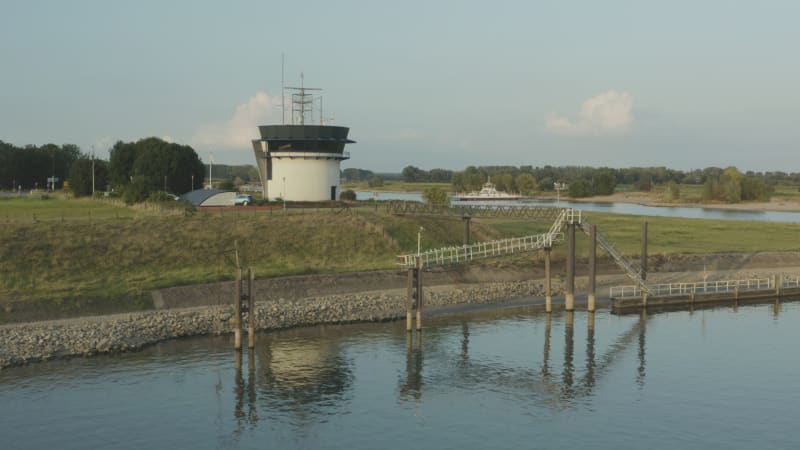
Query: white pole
[(419, 239), (92, 170), (284, 193)]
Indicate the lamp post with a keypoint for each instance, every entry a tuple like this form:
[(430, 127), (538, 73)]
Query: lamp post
[(419, 239), (284, 193)]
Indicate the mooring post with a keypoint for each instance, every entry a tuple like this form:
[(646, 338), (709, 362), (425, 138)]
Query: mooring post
[(778, 281), (466, 218), (548, 299), (411, 281), (592, 266), (251, 309), (419, 293), (644, 261), (237, 311), (569, 302)]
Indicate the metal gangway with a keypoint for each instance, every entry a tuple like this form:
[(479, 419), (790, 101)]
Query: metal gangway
[(488, 249), (400, 207), (705, 287), (631, 269)]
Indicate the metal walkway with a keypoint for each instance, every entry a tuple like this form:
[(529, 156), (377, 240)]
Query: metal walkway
[(501, 247), (631, 269), (515, 212), (705, 287)]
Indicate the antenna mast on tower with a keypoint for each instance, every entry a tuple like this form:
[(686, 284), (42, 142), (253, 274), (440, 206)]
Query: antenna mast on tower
[(301, 101)]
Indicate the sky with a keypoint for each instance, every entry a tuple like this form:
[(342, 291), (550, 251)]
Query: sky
[(432, 84)]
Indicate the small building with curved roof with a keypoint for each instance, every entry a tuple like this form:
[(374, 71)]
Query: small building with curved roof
[(209, 197)]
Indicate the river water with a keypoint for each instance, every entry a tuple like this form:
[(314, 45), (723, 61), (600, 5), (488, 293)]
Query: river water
[(617, 208), (720, 378)]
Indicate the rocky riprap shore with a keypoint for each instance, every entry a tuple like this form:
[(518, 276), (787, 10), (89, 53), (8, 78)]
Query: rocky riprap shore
[(41, 341)]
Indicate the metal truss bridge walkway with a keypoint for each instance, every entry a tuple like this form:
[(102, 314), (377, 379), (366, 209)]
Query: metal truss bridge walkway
[(502, 247)]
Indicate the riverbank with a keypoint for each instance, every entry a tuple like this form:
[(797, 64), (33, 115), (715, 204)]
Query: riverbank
[(657, 200), (305, 303)]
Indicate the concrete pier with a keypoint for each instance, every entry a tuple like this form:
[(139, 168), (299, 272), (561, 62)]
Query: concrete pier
[(569, 302), (590, 301), (237, 311), (548, 298), (251, 309)]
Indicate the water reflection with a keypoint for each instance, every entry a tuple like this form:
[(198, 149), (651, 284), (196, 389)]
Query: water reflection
[(411, 388), (307, 378), (560, 389), (245, 405)]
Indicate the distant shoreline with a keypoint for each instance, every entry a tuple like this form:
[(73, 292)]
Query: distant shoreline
[(655, 200)]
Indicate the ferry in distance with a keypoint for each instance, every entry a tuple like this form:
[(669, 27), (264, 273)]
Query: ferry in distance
[(488, 193)]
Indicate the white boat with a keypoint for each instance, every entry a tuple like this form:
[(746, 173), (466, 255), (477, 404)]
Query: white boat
[(488, 192)]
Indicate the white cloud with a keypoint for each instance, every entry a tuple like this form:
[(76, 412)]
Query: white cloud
[(607, 113), (237, 132)]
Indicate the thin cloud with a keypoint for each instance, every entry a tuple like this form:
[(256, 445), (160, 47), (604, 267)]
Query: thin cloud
[(608, 113), (241, 128)]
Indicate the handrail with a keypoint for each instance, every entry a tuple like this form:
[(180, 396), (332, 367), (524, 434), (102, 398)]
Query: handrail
[(704, 287)]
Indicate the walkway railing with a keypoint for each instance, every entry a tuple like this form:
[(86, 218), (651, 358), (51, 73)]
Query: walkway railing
[(501, 247), (704, 287), (509, 211), (631, 269)]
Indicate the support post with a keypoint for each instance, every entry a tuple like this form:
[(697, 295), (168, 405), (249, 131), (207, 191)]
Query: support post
[(778, 281), (237, 312), (548, 299), (410, 299), (251, 309), (644, 250), (569, 302), (590, 302), (467, 219), (419, 293), (644, 261)]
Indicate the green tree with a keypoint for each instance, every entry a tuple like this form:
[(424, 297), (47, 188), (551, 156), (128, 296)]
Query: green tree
[(580, 188), (435, 196), (375, 181), (526, 184), (80, 176), (413, 174), (731, 181), (155, 165), (604, 182), (674, 190), (347, 195)]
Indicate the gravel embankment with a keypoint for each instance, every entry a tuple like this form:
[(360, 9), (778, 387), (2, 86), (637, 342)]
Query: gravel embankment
[(40, 341)]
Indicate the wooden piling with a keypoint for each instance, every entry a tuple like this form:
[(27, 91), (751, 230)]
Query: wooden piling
[(644, 262), (590, 302), (548, 299), (466, 218), (419, 293), (569, 301), (644, 250), (237, 311), (410, 297), (251, 309)]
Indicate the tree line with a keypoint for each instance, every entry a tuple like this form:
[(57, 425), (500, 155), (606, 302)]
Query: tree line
[(728, 184)]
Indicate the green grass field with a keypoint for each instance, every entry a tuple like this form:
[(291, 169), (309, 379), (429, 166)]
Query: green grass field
[(86, 249)]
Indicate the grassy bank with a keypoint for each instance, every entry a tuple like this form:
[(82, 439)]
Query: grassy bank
[(116, 255)]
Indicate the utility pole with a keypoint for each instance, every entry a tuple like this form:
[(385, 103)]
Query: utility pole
[(92, 170)]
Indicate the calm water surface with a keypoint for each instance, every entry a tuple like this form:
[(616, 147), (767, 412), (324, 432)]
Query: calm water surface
[(720, 378), (613, 207)]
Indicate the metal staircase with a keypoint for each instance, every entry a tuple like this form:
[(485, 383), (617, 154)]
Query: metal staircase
[(631, 269)]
